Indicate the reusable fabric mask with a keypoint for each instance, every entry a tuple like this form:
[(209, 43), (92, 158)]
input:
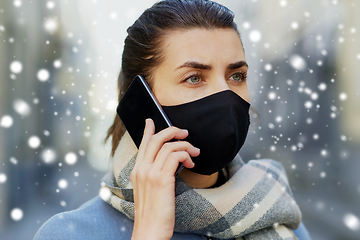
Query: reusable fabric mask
[(217, 124)]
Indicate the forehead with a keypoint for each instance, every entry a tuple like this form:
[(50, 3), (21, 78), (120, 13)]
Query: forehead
[(205, 45)]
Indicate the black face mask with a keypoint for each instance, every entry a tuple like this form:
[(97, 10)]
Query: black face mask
[(217, 124)]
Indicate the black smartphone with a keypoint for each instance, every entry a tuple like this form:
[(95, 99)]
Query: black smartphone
[(138, 104)]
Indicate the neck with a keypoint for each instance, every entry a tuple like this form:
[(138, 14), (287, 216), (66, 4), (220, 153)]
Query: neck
[(196, 180)]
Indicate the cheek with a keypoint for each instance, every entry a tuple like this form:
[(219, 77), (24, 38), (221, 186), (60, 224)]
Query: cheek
[(160, 93), (243, 92), (173, 95), (166, 94)]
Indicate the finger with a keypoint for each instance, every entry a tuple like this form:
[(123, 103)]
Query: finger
[(174, 159), (157, 141), (148, 132), (170, 147), (137, 176)]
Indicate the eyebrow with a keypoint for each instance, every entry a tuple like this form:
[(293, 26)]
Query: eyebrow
[(193, 64), (202, 66), (238, 64)]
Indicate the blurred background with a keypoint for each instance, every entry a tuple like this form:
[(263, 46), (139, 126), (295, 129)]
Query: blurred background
[(59, 62)]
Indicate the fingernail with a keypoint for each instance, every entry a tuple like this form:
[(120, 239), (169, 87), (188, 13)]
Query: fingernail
[(197, 149), (184, 130)]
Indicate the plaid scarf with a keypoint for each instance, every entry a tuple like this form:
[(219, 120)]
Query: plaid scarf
[(255, 203)]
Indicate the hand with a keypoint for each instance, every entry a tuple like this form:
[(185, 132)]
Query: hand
[(154, 181)]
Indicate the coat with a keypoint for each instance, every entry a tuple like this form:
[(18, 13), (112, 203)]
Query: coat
[(96, 219)]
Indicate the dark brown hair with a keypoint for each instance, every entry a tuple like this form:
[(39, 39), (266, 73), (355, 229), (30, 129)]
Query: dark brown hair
[(142, 49)]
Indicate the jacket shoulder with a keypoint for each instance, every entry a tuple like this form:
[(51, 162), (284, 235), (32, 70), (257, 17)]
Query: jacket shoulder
[(95, 219)]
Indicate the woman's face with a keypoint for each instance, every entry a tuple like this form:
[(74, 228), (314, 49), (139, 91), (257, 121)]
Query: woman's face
[(198, 63)]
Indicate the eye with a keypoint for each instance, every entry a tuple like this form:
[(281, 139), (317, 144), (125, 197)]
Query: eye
[(238, 77), (194, 79)]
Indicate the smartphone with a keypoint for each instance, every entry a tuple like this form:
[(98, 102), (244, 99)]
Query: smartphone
[(138, 104)]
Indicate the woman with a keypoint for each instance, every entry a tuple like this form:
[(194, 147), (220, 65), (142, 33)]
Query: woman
[(191, 54)]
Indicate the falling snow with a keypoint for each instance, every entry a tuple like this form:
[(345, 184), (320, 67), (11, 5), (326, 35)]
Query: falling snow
[(51, 25), (297, 62), (62, 183), (17, 3), (16, 67), (48, 155), (272, 96), (308, 104), (14, 161), (343, 138), (70, 158), (324, 153), (22, 107), (268, 67), (63, 203), (34, 142), (57, 63), (43, 75), (50, 5), (16, 214), (351, 221), (3, 177), (246, 25), (294, 25), (283, 3), (113, 15), (255, 36), (105, 193), (322, 86), (6, 121), (316, 136), (343, 96)]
